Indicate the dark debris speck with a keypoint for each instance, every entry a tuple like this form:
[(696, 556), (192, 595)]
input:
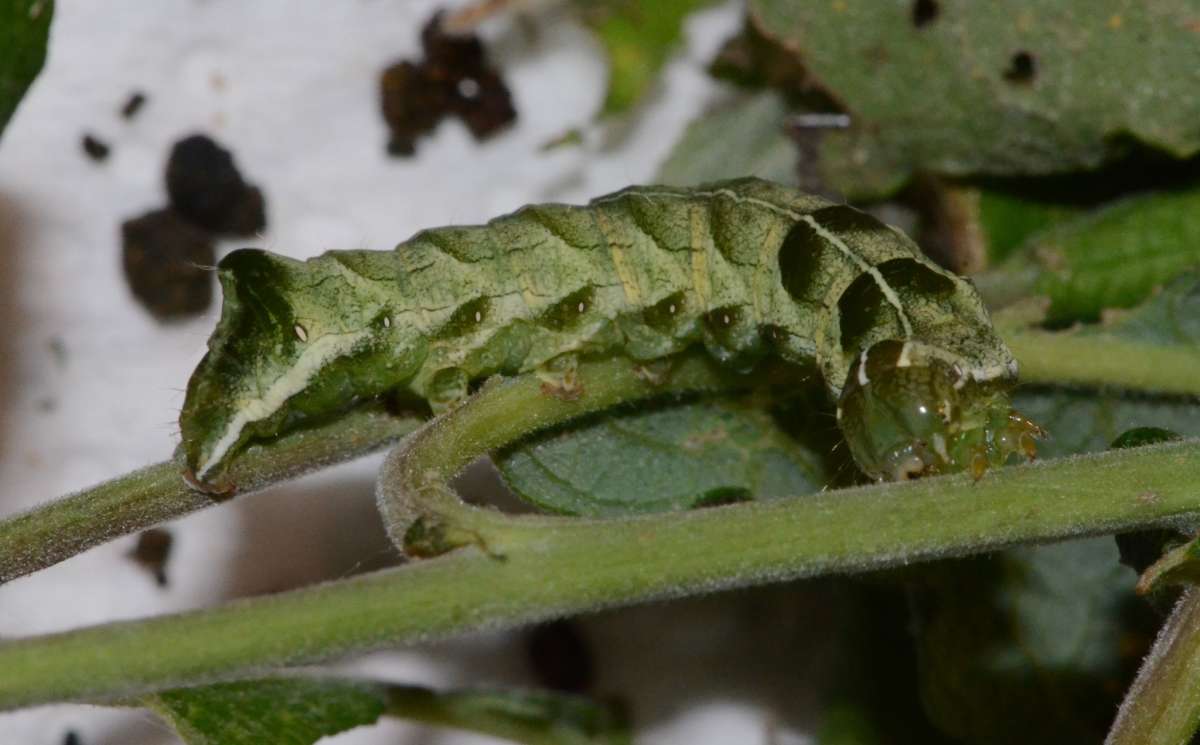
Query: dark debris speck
[(454, 79), (133, 105), (167, 263), (1022, 68), (925, 12), (560, 657), (95, 148), (152, 551), (205, 186)]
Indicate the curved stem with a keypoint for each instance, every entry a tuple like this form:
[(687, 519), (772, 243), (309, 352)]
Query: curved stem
[(425, 517), (51, 533)]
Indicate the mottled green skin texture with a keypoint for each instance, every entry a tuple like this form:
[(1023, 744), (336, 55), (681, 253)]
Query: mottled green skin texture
[(743, 267)]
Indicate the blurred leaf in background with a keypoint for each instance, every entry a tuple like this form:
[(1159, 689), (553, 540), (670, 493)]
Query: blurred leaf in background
[(638, 38), (24, 29), (746, 136), (1112, 257), (1035, 645), (871, 697)]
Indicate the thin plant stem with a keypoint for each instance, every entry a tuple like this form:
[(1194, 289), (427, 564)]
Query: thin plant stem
[(1162, 707), (1103, 360), (51, 533)]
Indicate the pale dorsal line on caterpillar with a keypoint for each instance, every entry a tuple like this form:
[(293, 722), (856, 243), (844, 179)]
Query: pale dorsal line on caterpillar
[(744, 267), (833, 240), (1008, 368)]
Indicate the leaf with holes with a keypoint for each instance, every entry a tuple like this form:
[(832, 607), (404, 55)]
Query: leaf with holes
[(1036, 87)]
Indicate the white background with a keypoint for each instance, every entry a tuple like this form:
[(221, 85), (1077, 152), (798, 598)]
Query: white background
[(291, 89)]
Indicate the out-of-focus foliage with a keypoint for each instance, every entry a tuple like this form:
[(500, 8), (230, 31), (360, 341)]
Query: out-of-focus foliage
[(1007, 220), (1034, 645), (24, 29), (638, 39), (745, 137), (1113, 257), (871, 698)]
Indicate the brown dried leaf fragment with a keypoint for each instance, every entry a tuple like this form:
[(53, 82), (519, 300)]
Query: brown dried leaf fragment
[(205, 186), (152, 551), (454, 79), (167, 263)]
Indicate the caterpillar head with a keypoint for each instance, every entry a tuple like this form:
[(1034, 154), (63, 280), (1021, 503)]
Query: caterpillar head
[(275, 362), (906, 413)]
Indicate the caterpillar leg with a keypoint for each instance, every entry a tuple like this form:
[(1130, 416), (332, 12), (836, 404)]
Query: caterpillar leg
[(560, 377), (448, 389), (655, 372)]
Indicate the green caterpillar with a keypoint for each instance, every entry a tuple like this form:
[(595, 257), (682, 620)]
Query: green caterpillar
[(743, 267)]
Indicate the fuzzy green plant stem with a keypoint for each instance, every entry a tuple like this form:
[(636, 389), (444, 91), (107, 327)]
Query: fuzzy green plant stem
[(1162, 707), (1096, 359), (575, 566), (49, 534)]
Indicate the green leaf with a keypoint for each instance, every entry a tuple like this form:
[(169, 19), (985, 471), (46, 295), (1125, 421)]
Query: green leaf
[(662, 459), (638, 38), (1029, 88), (299, 711), (1007, 220), (283, 711), (746, 136), (1114, 257), (24, 28), (1170, 318), (846, 724)]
